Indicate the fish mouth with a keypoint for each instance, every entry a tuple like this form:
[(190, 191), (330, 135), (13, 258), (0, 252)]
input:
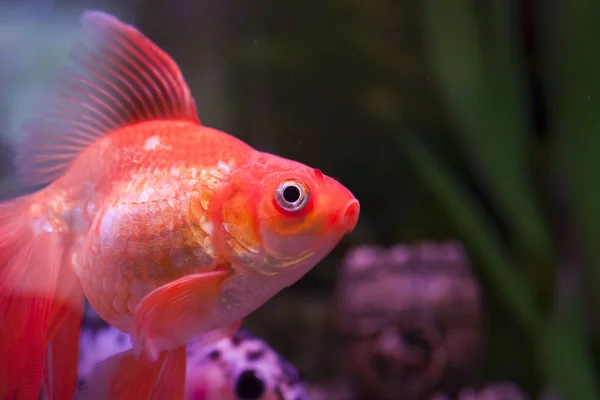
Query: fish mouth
[(348, 214)]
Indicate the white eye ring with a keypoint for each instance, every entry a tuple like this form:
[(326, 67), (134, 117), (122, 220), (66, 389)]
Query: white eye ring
[(292, 196)]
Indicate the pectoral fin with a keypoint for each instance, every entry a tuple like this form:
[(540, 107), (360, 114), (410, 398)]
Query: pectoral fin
[(168, 315)]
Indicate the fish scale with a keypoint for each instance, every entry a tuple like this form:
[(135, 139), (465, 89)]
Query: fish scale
[(159, 236)]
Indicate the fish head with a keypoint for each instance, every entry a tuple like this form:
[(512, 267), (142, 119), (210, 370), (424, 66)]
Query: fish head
[(282, 215)]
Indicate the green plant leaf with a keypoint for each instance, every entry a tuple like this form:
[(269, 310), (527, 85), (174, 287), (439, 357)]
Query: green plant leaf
[(572, 64), (475, 226), (562, 348), (483, 92), (566, 355)]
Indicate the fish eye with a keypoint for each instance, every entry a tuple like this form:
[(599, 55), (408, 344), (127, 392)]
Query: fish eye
[(292, 195)]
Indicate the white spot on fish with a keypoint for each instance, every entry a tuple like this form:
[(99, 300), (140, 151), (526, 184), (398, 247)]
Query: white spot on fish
[(76, 219), (175, 171), (40, 225), (224, 167), (147, 194), (206, 225), (152, 143), (209, 228), (213, 176), (106, 224)]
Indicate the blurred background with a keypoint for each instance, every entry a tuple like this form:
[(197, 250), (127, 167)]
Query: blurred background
[(468, 130)]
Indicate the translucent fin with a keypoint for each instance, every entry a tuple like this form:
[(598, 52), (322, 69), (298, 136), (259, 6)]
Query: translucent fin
[(124, 377), (60, 372), (69, 299), (119, 78), (29, 268), (184, 303)]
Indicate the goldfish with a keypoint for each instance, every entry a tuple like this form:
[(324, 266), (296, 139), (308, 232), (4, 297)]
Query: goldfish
[(169, 228), (240, 367)]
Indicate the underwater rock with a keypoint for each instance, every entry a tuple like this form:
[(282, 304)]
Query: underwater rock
[(411, 320), (243, 367)]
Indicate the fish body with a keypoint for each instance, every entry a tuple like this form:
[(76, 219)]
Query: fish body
[(156, 218), (169, 228)]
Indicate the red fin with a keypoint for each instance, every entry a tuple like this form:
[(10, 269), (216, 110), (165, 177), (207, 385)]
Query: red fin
[(69, 298), (29, 268), (183, 303), (124, 377), (60, 372), (120, 77)]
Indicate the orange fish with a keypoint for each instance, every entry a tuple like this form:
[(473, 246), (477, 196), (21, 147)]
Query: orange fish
[(171, 229)]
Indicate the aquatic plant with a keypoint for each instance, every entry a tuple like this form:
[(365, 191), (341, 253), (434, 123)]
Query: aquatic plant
[(481, 71)]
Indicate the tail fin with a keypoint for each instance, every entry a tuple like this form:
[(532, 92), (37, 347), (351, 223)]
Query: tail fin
[(31, 255), (124, 377), (62, 355)]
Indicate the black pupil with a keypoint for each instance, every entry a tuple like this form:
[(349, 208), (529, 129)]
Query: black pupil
[(291, 194), (249, 385)]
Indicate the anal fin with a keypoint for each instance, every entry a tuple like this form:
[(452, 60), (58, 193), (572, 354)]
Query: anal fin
[(125, 377)]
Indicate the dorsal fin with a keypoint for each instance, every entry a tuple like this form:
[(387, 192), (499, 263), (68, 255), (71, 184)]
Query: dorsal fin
[(119, 77)]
